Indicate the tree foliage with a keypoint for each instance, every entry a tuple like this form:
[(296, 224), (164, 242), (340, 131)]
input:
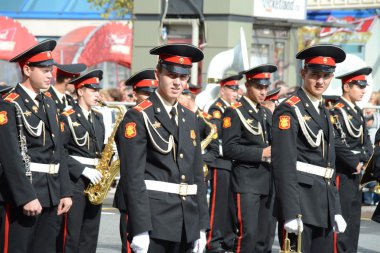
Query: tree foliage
[(117, 8)]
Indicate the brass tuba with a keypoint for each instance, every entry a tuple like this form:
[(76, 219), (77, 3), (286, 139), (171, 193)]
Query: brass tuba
[(98, 192), (204, 143), (287, 248)]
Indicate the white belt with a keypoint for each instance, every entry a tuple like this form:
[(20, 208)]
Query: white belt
[(86, 160), (315, 170), (180, 189), (355, 152), (44, 168)]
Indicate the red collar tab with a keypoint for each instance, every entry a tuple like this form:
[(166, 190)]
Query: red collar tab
[(176, 59), (229, 83), (146, 83), (263, 75), (353, 78), (92, 80), (321, 60)]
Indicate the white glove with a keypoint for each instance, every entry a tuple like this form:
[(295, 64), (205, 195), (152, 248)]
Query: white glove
[(339, 224), (292, 225), (92, 174), (140, 243), (200, 244)]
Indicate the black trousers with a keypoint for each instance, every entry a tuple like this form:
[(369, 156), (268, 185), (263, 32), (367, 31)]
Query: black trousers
[(314, 239), (272, 222), (253, 222), (28, 234), (222, 211), (125, 245), (80, 229), (350, 201)]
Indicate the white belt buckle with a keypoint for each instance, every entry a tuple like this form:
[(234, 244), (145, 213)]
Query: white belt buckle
[(51, 168), (183, 189), (328, 173)]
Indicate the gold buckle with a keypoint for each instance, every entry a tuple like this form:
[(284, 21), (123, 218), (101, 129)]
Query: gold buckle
[(51, 168), (328, 173), (183, 189)]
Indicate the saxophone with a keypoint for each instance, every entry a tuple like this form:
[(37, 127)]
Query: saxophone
[(98, 192), (204, 143)]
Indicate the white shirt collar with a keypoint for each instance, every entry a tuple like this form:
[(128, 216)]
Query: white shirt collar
[(85, 112), (352, 105), (30, 93), (167, 105), (253, 104), (228, 104), (315, 101), (59, 94)]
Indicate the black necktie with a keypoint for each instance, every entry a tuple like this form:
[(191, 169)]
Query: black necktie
[(173, 113), (64, 101), (323, 117), (41, 109), (260, 112)]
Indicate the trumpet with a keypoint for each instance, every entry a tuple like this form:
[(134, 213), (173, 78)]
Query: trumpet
[(287, 247)]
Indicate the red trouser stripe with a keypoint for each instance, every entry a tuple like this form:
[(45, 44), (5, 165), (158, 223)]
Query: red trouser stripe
[(6, 228), (64, 232), (337, 179), (240, 223), (126, 236), (283, 237), (213, 197)]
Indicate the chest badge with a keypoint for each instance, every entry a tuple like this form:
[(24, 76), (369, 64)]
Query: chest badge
[(27, 113), (35, 109), (156, 124), (193, 136), (249, 121), (76, 124), (306, 117)]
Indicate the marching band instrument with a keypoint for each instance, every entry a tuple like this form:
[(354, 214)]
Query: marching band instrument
[(369, 177), (287, 247), (204, 143)]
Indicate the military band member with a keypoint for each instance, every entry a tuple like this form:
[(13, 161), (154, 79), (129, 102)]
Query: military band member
[(161, 162), (35, 182), (65, 73), (303, 155), (83, 135), (144, 83), (350, 126), (376, 172), (246, 140), (222, 232)]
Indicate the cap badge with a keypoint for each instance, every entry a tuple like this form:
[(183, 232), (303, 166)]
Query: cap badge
[(324, 60), (48, 54), (181, 60), (266, 75)]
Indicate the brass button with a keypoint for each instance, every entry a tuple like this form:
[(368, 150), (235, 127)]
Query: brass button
[(183, 177), (181, 155), (52, 135), (183, 198)]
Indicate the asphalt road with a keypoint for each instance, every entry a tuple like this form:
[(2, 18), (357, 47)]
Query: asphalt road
[(109, 240)]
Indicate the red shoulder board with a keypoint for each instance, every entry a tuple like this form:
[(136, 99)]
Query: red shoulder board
[(293, 100), (218, 104), (68, 112), (339, 105), (236, 105), (12, 96), (48, 94), (206, 115), (143, 105)]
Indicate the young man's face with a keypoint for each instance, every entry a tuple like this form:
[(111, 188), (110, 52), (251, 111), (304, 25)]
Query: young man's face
[(39, 77), (229, 95), (170, 85), (256, 92), (355, 92), (316, 82), (89, 96)]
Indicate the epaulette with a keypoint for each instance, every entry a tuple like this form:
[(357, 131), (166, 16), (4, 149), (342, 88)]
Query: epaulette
[(293, 100), (339, 105), (48, 94), (143, 105), (11, 97), (68, 112), (236, 105), (206, 115), (218, 104)]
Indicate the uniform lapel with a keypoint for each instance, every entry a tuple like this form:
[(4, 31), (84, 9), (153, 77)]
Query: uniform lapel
[(28, 102), (57, 101), (351, 111), (82, 119), (182, 125), (309, 107), (52, 118), (99, 129), (250, 111)]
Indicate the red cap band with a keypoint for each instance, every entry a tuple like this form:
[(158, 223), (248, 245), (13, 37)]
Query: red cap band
[(146, 83), (92, 80), (43, 56), (321, 60), (229, 83), (67, 74), (264, 75), (353, 78), (176, 59)]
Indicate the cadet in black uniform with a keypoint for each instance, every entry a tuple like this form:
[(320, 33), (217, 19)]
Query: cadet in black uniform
[(144, 83), (303, 155), (376, 172), (65, 73), (35, 182), (246, 140), (161, 162), (350, 126), (222, 232), (83, 135)]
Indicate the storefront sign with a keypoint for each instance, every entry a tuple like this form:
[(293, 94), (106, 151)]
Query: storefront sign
[(280, 9)]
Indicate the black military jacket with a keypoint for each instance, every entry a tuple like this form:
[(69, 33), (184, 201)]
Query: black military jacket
[(361, 145), (249, 173), (75, 129), (297, 192), (376, 171), (217, 110), (60, 106), (47, 148), (138, 143)]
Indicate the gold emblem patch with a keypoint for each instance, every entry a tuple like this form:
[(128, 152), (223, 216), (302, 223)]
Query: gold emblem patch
[(284, 122), (3, 118), (226, 122), (62, 127), (217, 114), (192, 134), (156, 124), (130, 130)]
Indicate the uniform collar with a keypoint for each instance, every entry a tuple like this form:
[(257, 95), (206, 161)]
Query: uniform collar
[(30, 93), (85, 112), (168, 107), (352, 105), (224, 101), (253, 104), (59, 94), (315, 101)]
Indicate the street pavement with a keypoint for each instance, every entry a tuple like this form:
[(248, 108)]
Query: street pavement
[(109, 239)]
